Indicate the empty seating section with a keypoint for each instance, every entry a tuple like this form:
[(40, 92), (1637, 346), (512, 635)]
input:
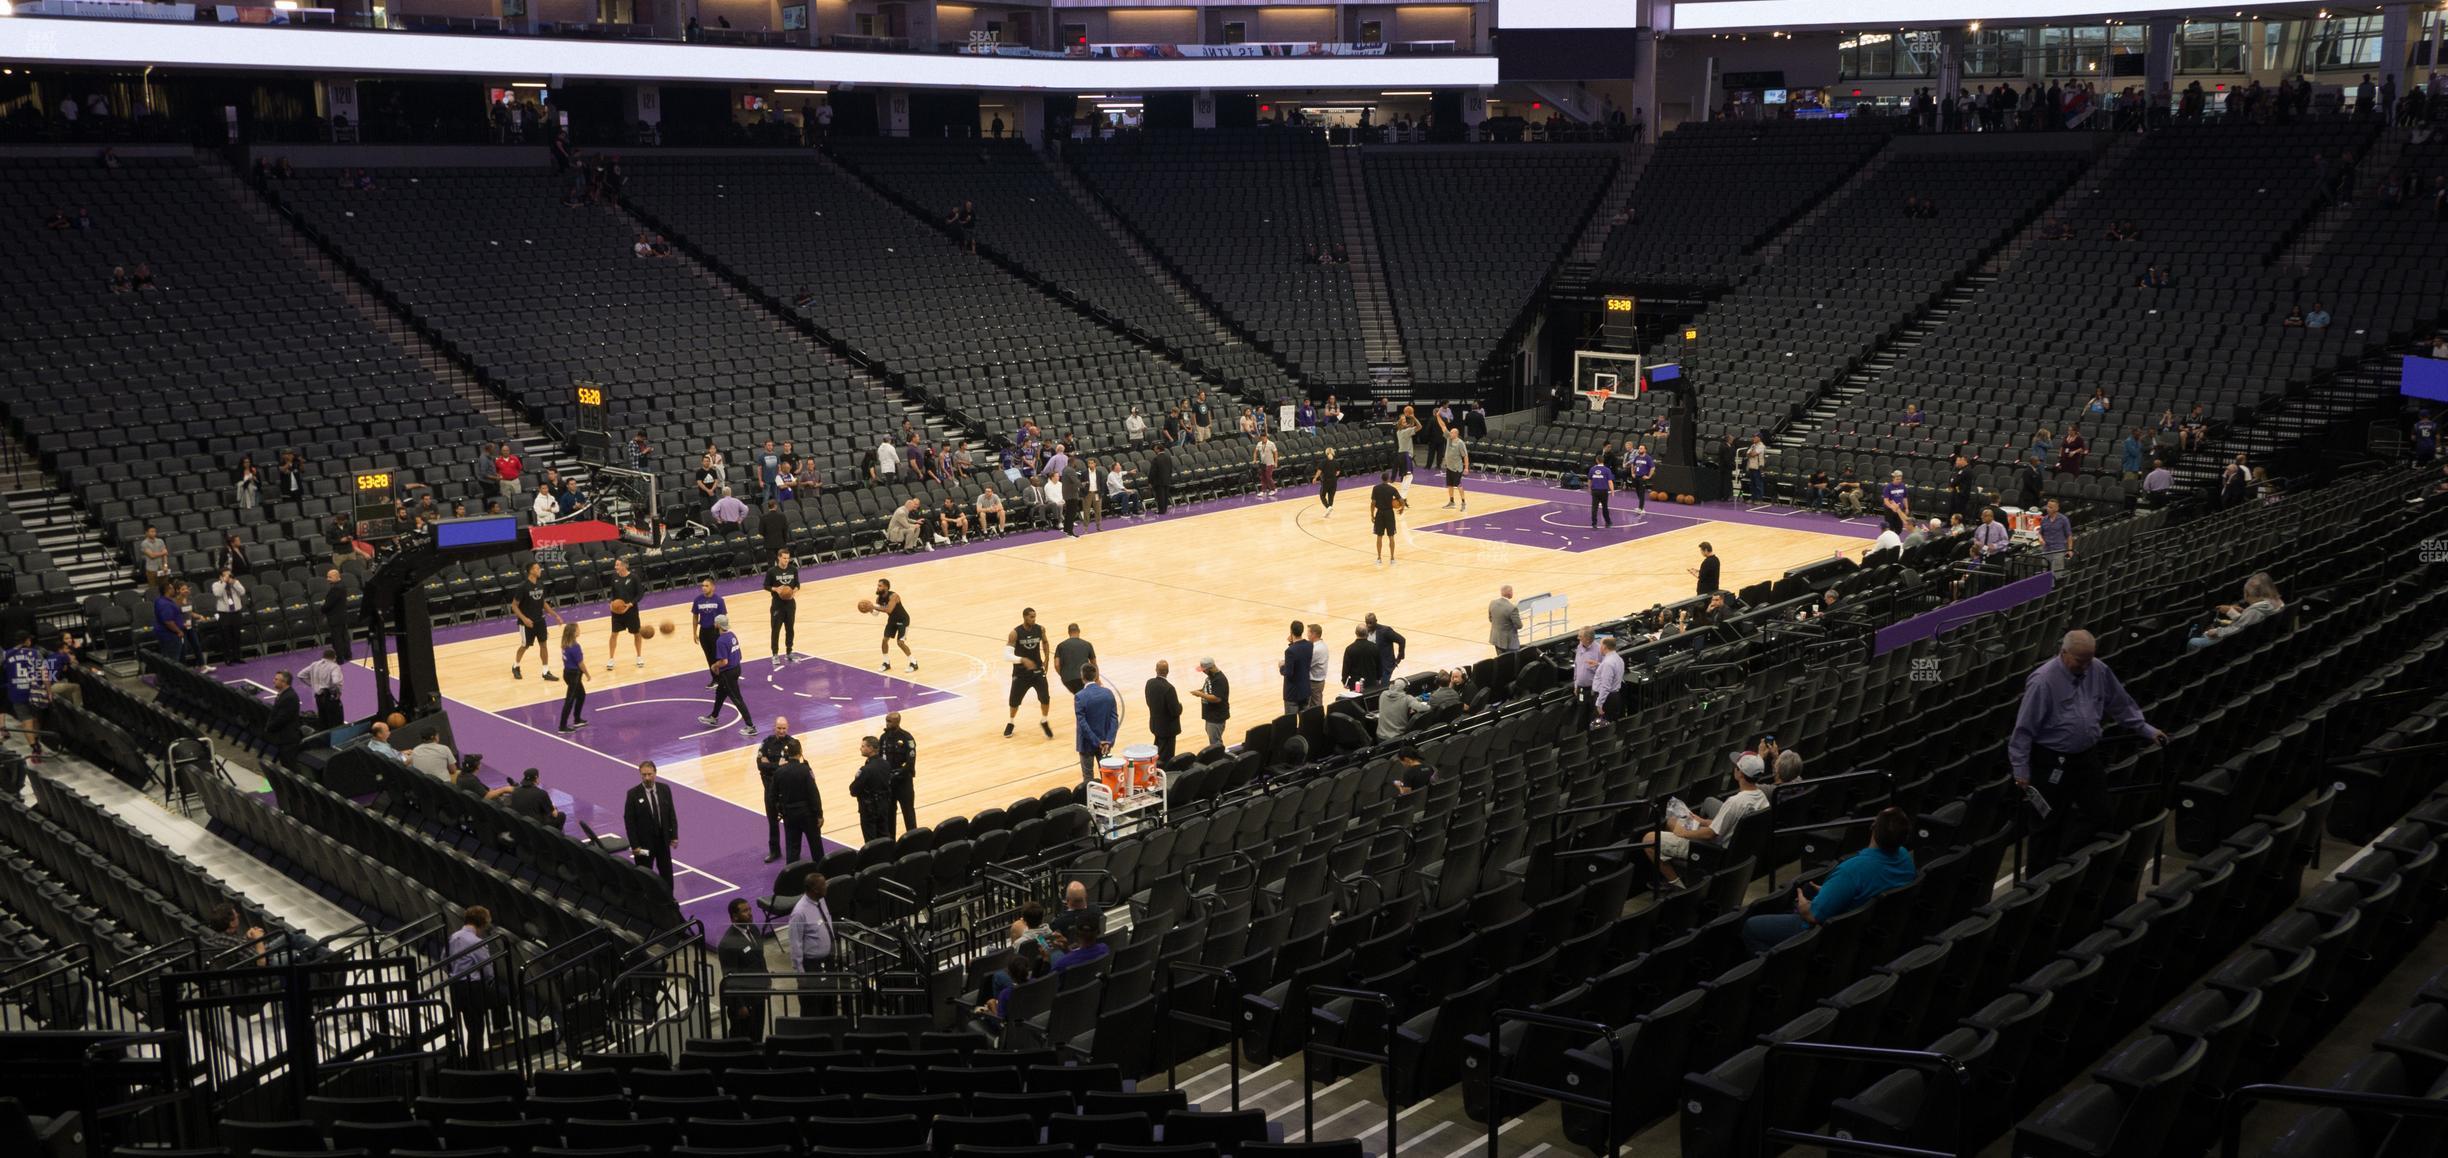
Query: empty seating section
[(2065, 317), (1230, 211), (238, 351), (960, 331), (1025, 214), (1468, 237), (1715, 191), (1849, 280), (540, 296)]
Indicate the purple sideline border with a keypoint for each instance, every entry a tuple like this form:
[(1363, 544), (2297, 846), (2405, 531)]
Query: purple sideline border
[(1932, 624)]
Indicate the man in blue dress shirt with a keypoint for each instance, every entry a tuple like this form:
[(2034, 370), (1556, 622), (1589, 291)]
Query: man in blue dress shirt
[(2054, 751), (1096, 719)]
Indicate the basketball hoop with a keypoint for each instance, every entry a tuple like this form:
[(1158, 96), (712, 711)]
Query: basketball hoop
[(1598, 399)]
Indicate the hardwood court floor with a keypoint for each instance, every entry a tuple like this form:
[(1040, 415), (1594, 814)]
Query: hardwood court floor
[(1224, 581)]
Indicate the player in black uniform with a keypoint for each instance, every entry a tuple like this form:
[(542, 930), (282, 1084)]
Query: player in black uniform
[(896, 623), (1326, 477), (1384, 501), (626, 591), (527, 602), (782, 582), (1028, 648)]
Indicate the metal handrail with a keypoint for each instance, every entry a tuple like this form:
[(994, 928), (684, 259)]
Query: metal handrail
[(1915, 1059), (1311, 1048), (2231, 1120), (1224, 1026), (1499, 1085)]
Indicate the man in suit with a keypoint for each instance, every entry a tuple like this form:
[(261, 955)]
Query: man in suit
[(1164, 710), (1391, 646), (653, 825), (779, 750), (901, 752), (793, 797), (1360, 661), (1708, 570), (872, 788), (1160, 478), (282, 726), (1504, 621), (1096, 721), (335, 614)]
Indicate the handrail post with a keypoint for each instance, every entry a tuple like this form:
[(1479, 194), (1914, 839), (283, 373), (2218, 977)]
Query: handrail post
[(1224, 1025)]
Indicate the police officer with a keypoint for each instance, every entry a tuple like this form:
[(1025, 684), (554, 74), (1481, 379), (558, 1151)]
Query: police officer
[(900, 750)]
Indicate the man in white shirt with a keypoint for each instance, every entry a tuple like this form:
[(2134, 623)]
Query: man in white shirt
[(229, 609), (323, 678), (1118, 494), (888, 458), (1675, 844), (809, 939), (1135, 426), (1888, 540), (547, 508)]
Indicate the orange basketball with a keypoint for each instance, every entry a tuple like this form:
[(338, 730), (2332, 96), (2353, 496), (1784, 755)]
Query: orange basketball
[(667, 628), (396, 720), (620, 606), (866, 606)]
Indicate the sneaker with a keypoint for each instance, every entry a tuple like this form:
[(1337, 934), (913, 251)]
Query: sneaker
[(782, 660), (709, 721), (578, 723), (1049, 728), (748, 729), (886, 666), (516, 674), (641, 663), (1448, 506), (610, 664), (206, 668), (913, 665), (1007, 731), (550, 676), (565, 731)]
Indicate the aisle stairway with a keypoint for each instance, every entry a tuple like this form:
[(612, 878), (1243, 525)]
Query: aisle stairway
[(1880, 360), (1380, 335)]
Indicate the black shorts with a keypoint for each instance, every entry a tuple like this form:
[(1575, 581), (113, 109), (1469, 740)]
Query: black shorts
[(26, 710), (897, 627), (1073, 684), (1384, 524), (1453, 478), (1025, 681), (532, 633), (627, 621)]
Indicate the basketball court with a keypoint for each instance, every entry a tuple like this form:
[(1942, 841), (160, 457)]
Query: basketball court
[(1222, 579)]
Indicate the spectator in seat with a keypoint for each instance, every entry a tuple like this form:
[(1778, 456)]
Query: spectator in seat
[(901, 530), (1673, 846), (1913, 417), (953, 520), (2072, 452), (119, 281), (2294, 318), (2260, 601), (2318, 319), (990, 509), (1885, 865)]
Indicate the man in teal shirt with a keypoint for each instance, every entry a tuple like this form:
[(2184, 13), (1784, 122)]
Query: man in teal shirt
[(1885, 865)]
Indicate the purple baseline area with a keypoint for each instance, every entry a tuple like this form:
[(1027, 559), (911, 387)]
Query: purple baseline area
[(722, 844), (1560, 519), (658, 720)]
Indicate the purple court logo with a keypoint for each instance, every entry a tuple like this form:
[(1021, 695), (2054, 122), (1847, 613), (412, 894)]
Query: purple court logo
[(1925, 670)]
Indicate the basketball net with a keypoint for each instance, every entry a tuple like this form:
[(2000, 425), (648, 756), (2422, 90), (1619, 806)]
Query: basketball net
[(1598, 399)]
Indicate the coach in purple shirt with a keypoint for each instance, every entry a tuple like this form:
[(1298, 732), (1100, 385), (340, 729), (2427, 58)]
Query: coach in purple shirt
[(2055, 749)]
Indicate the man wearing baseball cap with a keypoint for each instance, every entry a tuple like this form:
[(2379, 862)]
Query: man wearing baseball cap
[(1682, 832)]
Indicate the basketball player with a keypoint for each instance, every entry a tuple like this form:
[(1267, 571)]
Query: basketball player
[(725, 668), (1601, 489), (1325, 480), (1644, 468), (782, 582), (625, 593), (1384, 502), (1406, 441), (530, 606), (896, 623), (707, 608), (1027, 644)]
